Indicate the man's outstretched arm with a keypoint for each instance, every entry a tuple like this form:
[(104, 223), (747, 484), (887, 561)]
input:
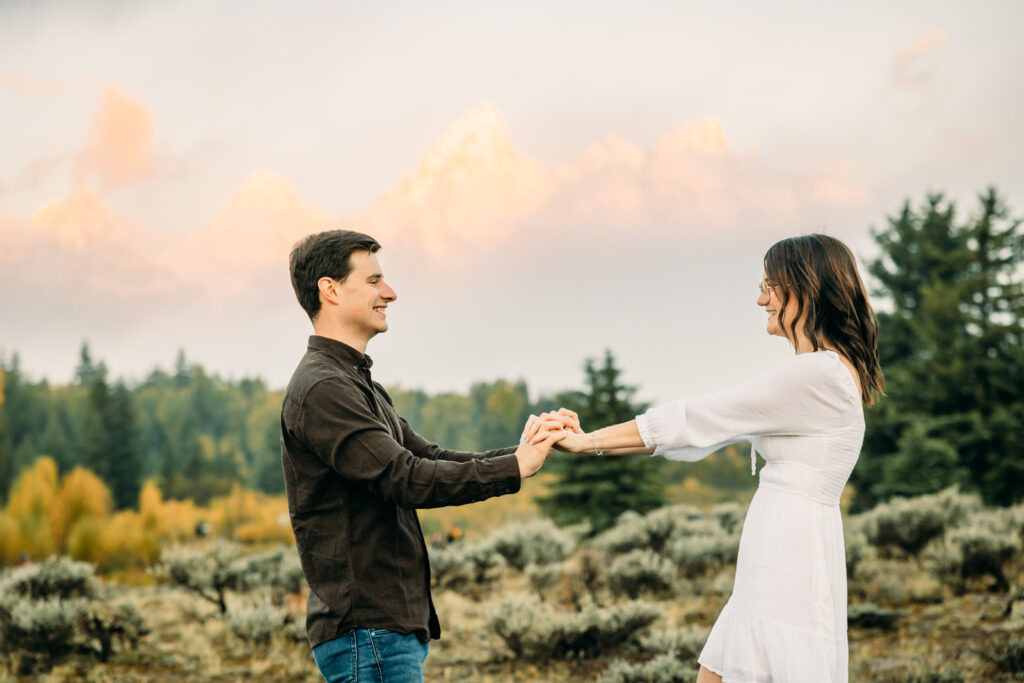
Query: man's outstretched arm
[(337, 425)]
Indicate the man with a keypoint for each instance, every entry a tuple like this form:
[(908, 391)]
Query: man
[(355, 472)]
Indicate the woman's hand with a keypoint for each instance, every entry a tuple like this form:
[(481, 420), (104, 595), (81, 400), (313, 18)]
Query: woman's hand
[(565, 418)]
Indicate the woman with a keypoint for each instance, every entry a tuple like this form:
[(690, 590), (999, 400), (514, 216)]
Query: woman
[(786, 618)]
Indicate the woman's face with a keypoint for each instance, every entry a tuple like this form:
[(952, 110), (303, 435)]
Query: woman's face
[(773, 307)]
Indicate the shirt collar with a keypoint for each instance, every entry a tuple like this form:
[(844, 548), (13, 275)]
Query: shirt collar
[(340, 351)]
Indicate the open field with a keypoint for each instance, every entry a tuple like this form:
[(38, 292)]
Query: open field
[(935, 595)]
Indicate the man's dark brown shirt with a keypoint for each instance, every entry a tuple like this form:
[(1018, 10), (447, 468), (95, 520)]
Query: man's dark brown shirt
[(355, 472)]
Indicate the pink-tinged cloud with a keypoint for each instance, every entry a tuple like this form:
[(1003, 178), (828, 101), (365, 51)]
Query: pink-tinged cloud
[(118, 147), (78, 221), (254, 230), (472, 189), (472, 186), (26, 85), (912, 65), (689, 179), (78, 242)]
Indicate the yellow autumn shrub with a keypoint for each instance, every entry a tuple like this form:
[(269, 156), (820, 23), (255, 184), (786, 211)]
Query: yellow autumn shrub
[(34, 490), (128, 543), (82, 494), (9, 549), (85, 539)]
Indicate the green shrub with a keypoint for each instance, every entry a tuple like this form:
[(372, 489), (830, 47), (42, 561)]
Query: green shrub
[(113, 623), (911, 523), (213, 569), (277, 570), (57, 608), (544, 577), (663, 668), (465, 566), (535, 542), (654, 530), (57, 577), (980, 548), (209, 570), (685, 643), (872, 616), (257, 622), (729, 516), (857, 550), (535, 631), (695, 555), (39, 633), (640, 571)]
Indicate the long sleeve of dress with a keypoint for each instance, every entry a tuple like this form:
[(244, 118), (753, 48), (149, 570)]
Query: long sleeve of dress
[(796, 397)]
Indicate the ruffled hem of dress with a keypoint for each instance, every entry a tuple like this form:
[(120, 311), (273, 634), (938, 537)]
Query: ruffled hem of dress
[(756, 650)]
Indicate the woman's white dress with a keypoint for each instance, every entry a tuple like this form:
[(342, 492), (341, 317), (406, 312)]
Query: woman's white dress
[(786, 619)]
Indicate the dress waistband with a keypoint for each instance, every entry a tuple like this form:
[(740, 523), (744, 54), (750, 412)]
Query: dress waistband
[(797, 478)]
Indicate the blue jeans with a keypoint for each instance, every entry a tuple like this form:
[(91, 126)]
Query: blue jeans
[(372, 654)]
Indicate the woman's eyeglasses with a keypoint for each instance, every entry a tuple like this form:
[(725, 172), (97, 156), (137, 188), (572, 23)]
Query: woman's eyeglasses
[(766, 288)]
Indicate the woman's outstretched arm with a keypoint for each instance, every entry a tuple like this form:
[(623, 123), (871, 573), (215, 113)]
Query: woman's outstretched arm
[(620, 439)]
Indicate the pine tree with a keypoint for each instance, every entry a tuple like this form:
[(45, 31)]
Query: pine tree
[(124, 457), (599, 489), (952, 353)]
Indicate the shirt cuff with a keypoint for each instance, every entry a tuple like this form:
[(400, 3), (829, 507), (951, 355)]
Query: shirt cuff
[(508, 479), (643, 425)]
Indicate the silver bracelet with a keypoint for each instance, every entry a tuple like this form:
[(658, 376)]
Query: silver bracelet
[(597, 451)]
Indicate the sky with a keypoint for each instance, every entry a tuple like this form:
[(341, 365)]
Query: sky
[(548, 180)]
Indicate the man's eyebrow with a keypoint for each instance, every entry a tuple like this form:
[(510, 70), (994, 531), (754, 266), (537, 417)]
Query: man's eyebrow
[(374, 276)]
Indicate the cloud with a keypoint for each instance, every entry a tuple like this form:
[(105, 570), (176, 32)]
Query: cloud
[(78, 242), (29, 86), (118, 147), (690, 179), (912, 65), (471, 186), (474, 188), (253, 231)]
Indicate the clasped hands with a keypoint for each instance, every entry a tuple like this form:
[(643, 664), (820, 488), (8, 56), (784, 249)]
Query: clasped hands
[(555, 430)]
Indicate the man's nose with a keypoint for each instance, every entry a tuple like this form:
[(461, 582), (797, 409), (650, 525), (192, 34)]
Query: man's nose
[(389, 293)]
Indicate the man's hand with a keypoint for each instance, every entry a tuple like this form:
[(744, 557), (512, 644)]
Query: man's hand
[(567, 419), (532, 453)]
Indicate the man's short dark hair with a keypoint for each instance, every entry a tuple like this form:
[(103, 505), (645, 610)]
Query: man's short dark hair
[(324, 254)]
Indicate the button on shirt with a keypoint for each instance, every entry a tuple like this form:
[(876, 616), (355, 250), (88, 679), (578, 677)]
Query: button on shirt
[(355, 472)]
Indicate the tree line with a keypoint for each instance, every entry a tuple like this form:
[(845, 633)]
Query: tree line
[(947, 288)]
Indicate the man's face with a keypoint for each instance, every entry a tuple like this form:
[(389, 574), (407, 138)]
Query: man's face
[(364, 296)]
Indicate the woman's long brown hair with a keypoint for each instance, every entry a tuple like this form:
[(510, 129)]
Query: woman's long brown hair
[(820, 273)]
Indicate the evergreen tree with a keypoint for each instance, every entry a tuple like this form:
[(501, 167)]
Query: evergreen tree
[(952, 353), (124, 459), (110, 439), (599, 489)]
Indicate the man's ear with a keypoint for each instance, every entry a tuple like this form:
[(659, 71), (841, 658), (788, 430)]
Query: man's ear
[(327, 293)]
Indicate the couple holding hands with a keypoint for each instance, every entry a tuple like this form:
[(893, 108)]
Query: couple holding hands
[(356, 472)]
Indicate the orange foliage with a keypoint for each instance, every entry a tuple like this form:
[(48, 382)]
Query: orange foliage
[(34, 490), (251, 517), (84, 540), (82, 494), (8, 540), (75, 517)]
